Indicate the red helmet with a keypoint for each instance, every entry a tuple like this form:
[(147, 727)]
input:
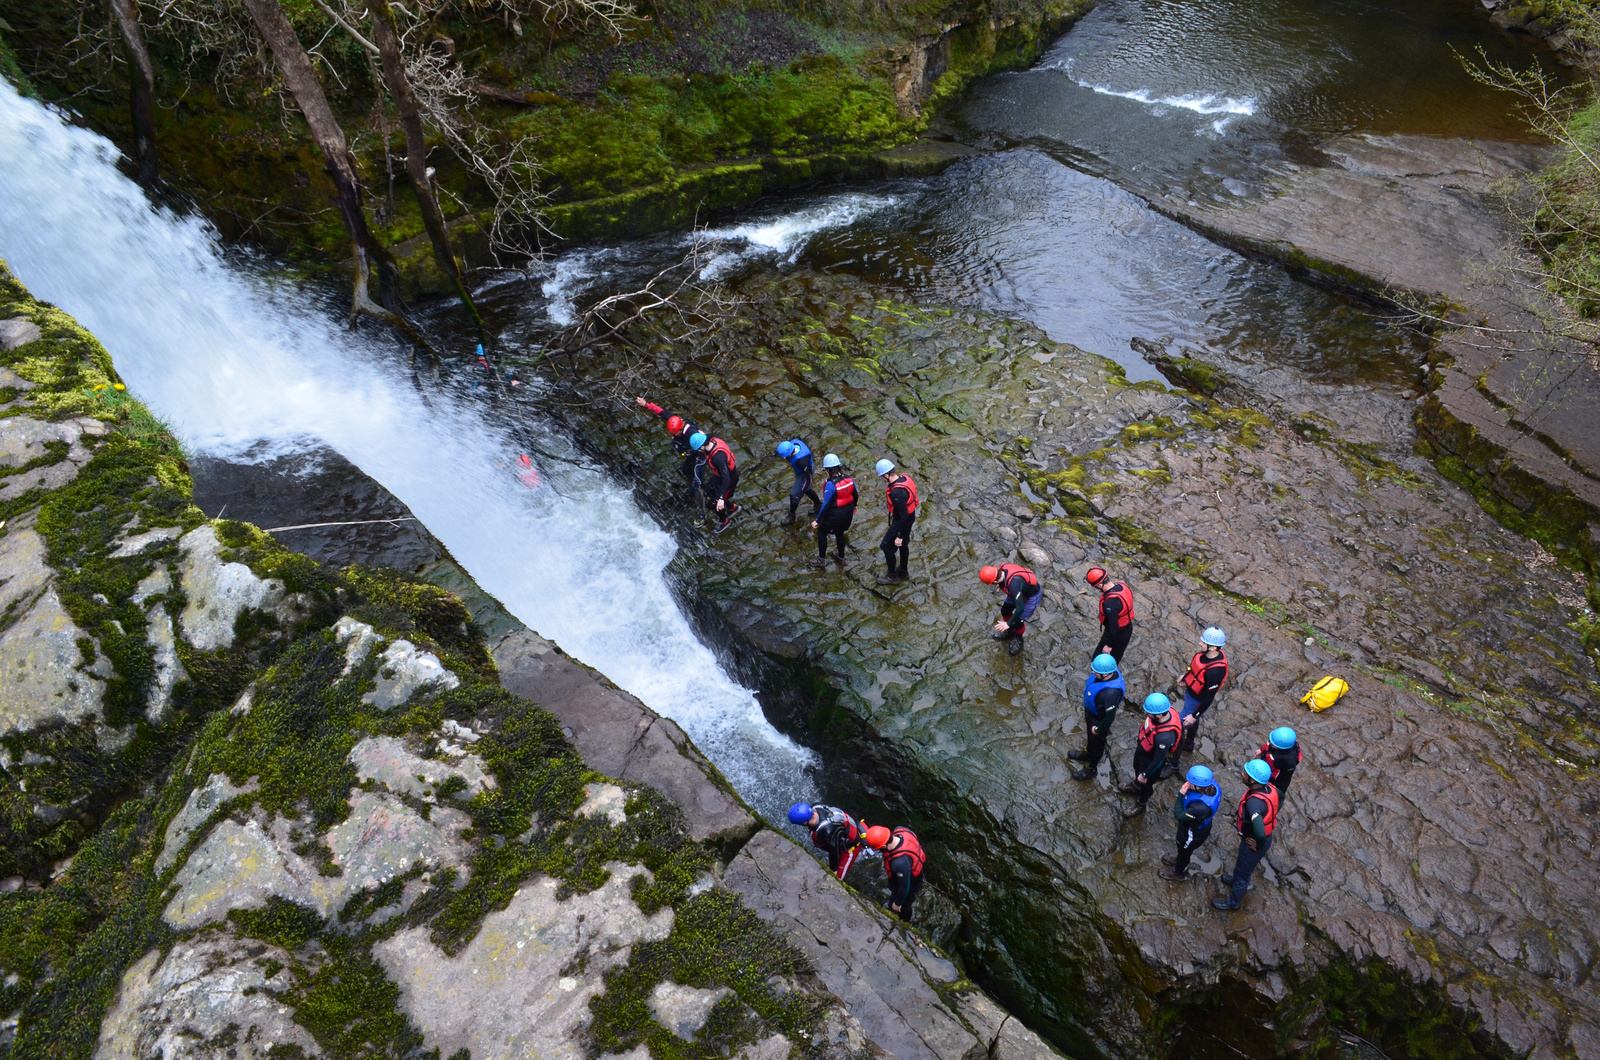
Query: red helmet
[(988, 575), (877, 836), (674, 424), (1096, 575)]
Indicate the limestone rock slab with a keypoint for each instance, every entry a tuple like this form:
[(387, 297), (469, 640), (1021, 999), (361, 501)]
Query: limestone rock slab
[(506, 995), (358, 639), (209, 998), (23, 439), (403, 670), (197, 809), (387, 760), (17, 331), (42, 683), (683, 1010), (218, 591), (604, 800)]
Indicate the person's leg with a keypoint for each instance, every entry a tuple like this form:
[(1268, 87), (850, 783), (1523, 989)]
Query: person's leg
[(802, 486), (822, 540), (1116, 638), (809, 492), (1185, 840), (905, 544), (1245, 866), (887, 547), (1096, 743), (846, 859), (911, 896), (1282, 783)]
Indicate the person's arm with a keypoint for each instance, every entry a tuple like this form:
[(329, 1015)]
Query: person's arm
[(1113, 609), (828, 492), (1255, 820), (899, 499), (1164, 744), (1106, 701), (719, 464), (899, 880), (649, 406)]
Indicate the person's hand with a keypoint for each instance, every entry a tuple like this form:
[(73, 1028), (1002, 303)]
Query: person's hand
[(813, 524), (898, 542), (1185, 789), (1141, 779), (1000, 625), (1105, 649), (719, 504), (1250, 841), (894, 907), (1094, 730), (641, 402)]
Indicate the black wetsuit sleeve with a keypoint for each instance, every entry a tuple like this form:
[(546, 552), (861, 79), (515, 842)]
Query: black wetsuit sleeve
[(719, 465), (1106, 701), (899, 866), (1158, 758), (899, 500), (1193, 814), (1255, 817), (1113, 610)]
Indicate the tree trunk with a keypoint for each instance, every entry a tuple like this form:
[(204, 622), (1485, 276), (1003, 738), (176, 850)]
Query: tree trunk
[(141, 90), (295, 66), (405, 102)]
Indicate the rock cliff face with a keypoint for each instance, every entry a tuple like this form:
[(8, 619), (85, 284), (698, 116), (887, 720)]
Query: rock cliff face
[(256, 807), (1430, 884)]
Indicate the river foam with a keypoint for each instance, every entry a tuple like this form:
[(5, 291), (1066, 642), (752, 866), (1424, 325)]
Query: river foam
[(246, 367)]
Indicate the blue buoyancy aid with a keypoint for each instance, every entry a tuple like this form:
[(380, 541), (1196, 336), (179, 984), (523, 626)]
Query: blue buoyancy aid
[(1096, 684), (801, 452), (1211, 802)]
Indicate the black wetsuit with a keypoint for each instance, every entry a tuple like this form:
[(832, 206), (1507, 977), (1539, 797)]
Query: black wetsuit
[(901, 520), (834, 518)]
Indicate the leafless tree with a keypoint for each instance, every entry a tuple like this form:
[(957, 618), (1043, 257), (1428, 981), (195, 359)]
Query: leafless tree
[(141, 89)]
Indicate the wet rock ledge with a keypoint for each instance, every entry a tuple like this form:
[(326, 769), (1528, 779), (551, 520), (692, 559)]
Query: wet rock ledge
[(1430, 887), (254, 805)]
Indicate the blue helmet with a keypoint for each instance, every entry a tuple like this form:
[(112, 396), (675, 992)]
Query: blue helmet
[(883, 467), (697, 439), (1200, 777), (1103, 665), (1258, 771), (800, 813), (1282, 738), (785, 448), (1214, 637), (1156, 703), (830, 461)]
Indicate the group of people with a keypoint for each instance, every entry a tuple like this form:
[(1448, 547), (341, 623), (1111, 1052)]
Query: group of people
[(711, 470), (1165, 734)]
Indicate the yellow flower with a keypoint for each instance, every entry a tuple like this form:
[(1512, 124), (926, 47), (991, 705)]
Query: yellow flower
[(119, 386)]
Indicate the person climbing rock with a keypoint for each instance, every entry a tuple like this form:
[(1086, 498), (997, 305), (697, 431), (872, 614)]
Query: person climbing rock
[(1254, 820), (1207, 671), (681, 430), (1282, 753), (904, 861), (798, 454), (902, 496), (1116, 613), (1022, 596), (837, 512), (1195, 809), (1102, 695), (722, 475), (1158, 737), (833, 832)]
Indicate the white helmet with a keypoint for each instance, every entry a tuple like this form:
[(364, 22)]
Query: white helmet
[(1214, 637), (830, 461)]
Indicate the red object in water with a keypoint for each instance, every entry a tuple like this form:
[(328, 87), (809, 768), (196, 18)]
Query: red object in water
[(529, 475)]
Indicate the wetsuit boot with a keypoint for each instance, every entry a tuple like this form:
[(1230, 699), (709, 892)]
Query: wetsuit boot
[(1015, 647)]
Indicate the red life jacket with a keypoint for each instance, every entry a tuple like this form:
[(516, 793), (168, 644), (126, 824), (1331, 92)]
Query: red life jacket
[(911, 490), (844, 492), (1149, 730), (1270, 797), (1121, 591), (1270, 754), (720, 446), (1195, 679), (1011, 570), (908, 845)]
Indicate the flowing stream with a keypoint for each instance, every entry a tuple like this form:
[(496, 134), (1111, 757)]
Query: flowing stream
[(241, 365)]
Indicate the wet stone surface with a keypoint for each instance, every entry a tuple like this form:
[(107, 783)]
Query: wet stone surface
[(1440, 817)]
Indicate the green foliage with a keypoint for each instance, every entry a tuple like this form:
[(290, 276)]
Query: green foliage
[(393, 601), (1565, 226)]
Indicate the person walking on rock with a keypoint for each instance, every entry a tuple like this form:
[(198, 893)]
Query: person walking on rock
[(681, 430), (1102, 695), (1022, 595), (1194, 809), (904, 861), (1254, 820), (721, 476), (838, 511), (833, 832), (1207, 671), (798, 454), (902, 497), (1116, 613), (1282, 753), (1158, 738)]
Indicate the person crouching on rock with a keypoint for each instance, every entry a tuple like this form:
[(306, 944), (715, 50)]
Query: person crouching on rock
[(833, 832), (837, 512), (1102, 695), (722, 475), (1023, 593), (1201, 682), (681, 430), (1116, 613), (904, 861), (902, 496), (798, 454), (1158, 738), (1254, 820), (1282, 753), (1195, 809)]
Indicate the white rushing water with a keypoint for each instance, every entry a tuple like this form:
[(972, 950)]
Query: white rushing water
[(232, 360)]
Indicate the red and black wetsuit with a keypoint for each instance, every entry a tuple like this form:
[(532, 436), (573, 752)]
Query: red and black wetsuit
[(1283, 763), (1255, 819), (904, 866), (1022, 590), (837, 512), (903, 502), (1116, 619), (839, 836), (722, 473), (1158, 738), (680, 441)]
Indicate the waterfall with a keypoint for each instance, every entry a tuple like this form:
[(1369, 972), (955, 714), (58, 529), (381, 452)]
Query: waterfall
[(237, 362)]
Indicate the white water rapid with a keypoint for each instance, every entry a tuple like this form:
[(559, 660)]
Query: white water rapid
[(232, 360)]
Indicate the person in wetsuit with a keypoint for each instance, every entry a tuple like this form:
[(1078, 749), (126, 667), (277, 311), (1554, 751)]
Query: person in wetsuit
[(833, 832), (1158, 738), (721, 475), (1022, 596), (1102, 695), (901, 492), (904, 862), (838, 511), (1116, 613), (798, 454)]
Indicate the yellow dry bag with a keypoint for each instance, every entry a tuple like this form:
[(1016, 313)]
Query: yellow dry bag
[(1325, 693)]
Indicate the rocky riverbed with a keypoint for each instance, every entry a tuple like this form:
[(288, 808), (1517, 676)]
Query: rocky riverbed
[(1438, 847)]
